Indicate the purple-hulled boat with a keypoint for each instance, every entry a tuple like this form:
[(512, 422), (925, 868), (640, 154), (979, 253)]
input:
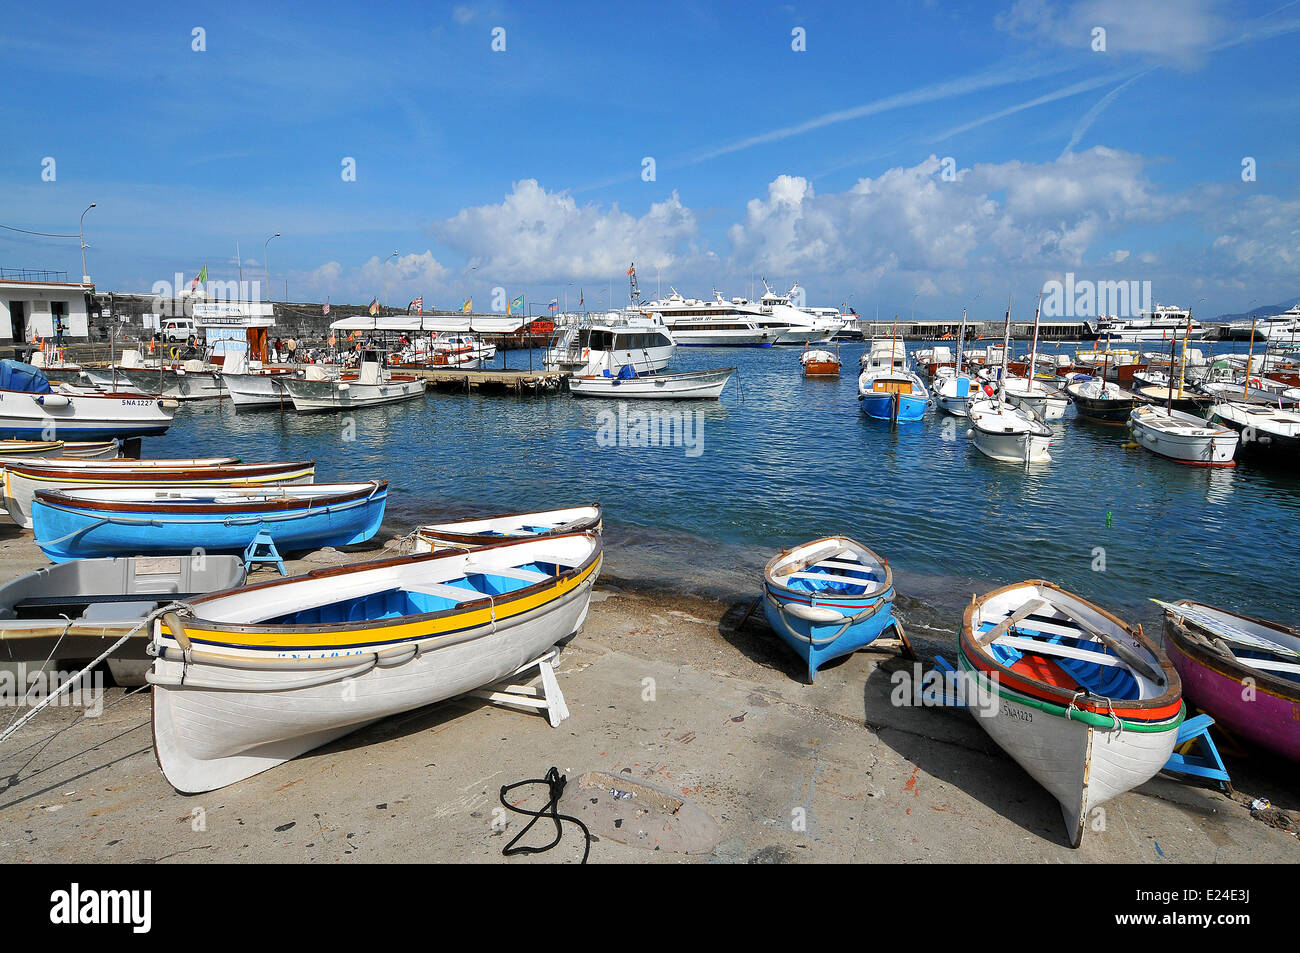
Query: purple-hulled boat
[(1243, 671)]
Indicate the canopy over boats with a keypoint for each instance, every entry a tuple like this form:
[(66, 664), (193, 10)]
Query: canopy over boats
[(118, 521), (250, 678), (828, 598), (1217, 652), (1084, 702), (470, 533)]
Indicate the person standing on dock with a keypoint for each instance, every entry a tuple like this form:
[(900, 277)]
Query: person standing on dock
[(292, 345)]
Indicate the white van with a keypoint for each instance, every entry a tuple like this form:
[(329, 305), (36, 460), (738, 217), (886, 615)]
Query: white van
[(177, 330)]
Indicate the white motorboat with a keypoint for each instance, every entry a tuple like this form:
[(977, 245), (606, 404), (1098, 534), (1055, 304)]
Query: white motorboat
[(617, 338), (246, 679), (1046, 402), (626, 384), (1262, 427), (370, 386), (1183, 437), (31, 409), (806, 325), (455, 349)]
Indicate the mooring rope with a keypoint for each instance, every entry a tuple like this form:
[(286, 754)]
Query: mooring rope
[(555, 788)]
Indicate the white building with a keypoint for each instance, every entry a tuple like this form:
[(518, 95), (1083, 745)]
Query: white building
[(29, 309)]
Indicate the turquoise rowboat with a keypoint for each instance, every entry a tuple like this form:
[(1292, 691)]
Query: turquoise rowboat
[(828, 598), (137, 520)]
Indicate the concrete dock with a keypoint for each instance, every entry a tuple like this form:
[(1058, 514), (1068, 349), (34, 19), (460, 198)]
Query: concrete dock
[(510, 380), (663, 689)]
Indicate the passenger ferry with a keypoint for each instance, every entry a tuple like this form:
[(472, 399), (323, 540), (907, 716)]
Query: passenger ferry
[(718, 323)]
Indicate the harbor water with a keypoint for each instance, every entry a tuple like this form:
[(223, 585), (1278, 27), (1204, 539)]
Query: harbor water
[(781, 459)]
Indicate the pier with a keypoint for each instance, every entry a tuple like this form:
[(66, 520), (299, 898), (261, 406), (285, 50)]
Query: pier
[(514, 381)]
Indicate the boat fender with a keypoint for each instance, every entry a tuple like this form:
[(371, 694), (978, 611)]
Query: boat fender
[(396, 656), (814, 614), (52, 400), (342, 386), (173, 622)]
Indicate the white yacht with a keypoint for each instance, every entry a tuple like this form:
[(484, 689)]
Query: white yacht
[(718, 323), (628, 338), (1164, 322), (807, 325), (1284, 327)]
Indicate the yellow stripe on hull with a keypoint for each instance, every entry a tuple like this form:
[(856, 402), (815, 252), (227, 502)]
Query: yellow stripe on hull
[(361, 638)]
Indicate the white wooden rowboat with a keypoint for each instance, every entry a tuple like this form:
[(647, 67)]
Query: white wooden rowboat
[(467, 534), (249, 678), (688, 385)]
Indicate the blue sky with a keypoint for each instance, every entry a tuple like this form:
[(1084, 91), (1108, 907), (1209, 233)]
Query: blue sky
[(524, 168)]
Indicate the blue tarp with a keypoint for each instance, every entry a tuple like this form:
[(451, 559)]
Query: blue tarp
[(15, 375)]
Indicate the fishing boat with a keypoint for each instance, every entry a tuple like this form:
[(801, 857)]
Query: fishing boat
[(1101, 401), (1113, 364), (370, 386), (1183, 437), (1263, 429), (828, 598), (1218, 653), (119, 521), (174, 380), (819, 362), (250, 387), (76, 610), (1001, 431), (627, 383), (954, 388), (247, 679), (1172, 396), (44, 449), (1048, 403), (886, 389), (23, 480), (469, 534), (1084, 702), (31, 409)]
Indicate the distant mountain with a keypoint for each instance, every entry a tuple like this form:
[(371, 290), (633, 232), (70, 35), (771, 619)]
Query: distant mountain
[(1263, 311)]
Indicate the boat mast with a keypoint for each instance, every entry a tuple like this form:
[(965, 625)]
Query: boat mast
[(961, 341), (1182, 365), (1006, 345), (1169, 388), (1033, 353), (1250, 359)]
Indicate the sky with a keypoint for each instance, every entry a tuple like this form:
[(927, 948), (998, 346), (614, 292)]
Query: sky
[(904, 156)]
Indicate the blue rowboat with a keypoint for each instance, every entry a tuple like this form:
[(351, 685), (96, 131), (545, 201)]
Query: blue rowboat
[(892, 395), (828, 598), (127, 521)]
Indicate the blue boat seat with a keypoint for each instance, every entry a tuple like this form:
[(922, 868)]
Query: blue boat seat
[(529, 576), (829, 577), (454, 594), (1105, 680)]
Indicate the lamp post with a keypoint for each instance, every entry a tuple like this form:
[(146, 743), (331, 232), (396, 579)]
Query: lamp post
[(266, 261), (85, 278)]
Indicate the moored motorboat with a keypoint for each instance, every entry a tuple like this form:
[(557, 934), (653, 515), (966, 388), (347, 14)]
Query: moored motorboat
[(470, 533), (1102, 401), (828, 598), (1085, 703), (259, 388), (1046, 402), (22, 480), (371, 386), (33, 410), (952, 393), (1264, 429), (76, 610), (1009, 434), (132, 520), (628, 384), (250, 678), (1245, 672), (1183, 437), (819, 362)]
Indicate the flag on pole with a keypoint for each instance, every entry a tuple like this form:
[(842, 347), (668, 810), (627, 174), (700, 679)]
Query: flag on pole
[(468, 306), (374, 307), (417, 305), (325, 309), (554, 305), (516, 305), (201, 277), (580, 298), (631, 268)]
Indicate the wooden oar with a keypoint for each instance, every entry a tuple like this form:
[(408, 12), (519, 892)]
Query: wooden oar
[(1131, 658), (1028, 609)]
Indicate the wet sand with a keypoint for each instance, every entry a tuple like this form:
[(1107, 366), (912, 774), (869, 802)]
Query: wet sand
[(663, 688)]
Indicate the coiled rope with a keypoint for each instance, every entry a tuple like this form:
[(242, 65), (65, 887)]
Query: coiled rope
[(555, 788)]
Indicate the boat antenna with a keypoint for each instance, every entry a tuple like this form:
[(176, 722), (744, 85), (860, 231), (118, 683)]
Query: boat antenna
[(635, 292)]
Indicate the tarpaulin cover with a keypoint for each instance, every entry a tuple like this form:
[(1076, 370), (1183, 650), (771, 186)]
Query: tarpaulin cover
[(15, 375)]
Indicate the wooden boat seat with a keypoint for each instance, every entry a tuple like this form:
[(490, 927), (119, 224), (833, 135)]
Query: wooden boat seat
[(1039, 647), (845, 564), (1268, 665), (509, 572), (452, 593), (830, 577)]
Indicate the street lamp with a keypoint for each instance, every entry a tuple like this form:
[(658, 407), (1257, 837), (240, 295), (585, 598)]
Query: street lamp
[(85, 278), (266, 261)]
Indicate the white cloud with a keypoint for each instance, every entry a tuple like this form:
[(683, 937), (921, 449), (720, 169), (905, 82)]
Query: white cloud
[(534, 235), (1178, 32)]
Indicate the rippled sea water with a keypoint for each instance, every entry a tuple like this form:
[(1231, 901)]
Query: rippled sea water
[(785, 460)]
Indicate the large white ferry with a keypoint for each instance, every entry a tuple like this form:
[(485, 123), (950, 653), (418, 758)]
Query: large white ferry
[(1161, 323), (807, 325), (718, 323)]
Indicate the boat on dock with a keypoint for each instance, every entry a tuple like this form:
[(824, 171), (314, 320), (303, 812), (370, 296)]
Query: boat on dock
[(76, 610), (371, 386), (23, 480), (1217, 652), (828, 598), (165, 520), (1084, 702), (250, 678), (1183, 437), (472, 533)]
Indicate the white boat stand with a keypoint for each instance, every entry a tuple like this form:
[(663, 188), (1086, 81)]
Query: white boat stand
[(526, 695)]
